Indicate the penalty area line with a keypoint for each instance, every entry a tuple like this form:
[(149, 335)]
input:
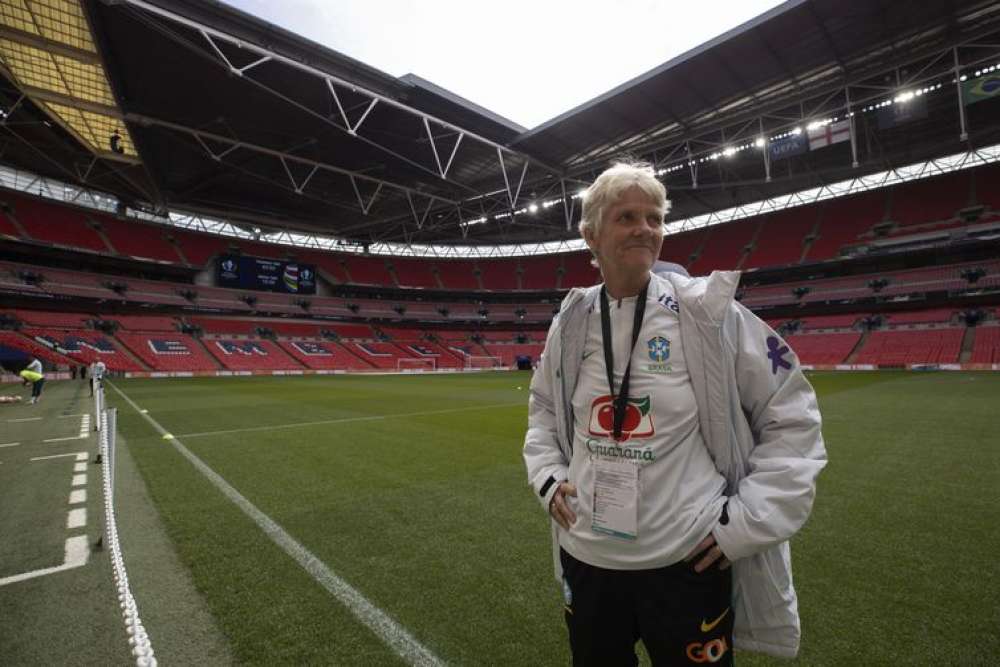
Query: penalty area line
[(376, 620), (346, 420)]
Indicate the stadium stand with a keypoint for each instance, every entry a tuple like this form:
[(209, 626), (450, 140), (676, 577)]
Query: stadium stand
[(55, 223), (7, 227), (225, 326), (921, 317), (823, 348), (320, 355), (41, 318), (442, 357), (199, 248), (780, 240), (250, 355), (168, 352), (897, 348), (328, 265), (143, 322), (140, 240), (458, 274), (986, 185), (367, 270), (679, 248), (830, 321), (351, 331), (18, 341), (843, 220), (85, 347), (579, 271), (775, 239), (414, 272), (378, 354), (406, 335), (933, 200), (723, 247), (541, 273), (291, 329), (508, 353), (162, 293), (986, 346), (500, 274)]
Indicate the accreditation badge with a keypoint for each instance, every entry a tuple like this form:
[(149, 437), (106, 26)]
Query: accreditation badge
[(616, 498)]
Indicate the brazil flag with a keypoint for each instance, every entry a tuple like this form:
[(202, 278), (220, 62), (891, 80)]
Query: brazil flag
[(981, 89)]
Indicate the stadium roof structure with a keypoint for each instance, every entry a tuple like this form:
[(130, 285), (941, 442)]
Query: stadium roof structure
[(223, 114)]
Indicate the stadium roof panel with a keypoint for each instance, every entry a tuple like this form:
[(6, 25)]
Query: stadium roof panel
[(47, 50), (235, 117), (784, 52)]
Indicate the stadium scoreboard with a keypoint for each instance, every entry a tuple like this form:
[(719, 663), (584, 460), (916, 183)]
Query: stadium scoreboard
[(269, 275)]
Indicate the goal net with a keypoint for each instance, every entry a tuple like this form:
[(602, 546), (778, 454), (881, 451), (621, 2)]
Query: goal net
[(414, 364), (481, 362)]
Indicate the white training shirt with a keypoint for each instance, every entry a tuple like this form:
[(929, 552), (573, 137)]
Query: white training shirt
[(680, 490), (35, 366)]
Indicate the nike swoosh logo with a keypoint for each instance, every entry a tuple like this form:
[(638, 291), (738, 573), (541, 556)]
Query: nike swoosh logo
[(707, 627), (587, 354)]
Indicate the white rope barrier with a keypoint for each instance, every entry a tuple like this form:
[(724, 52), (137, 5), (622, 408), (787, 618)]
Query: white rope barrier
[(138, 638)]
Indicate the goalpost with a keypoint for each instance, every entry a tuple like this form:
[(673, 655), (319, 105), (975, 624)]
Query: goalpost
[(472, 361), (411, 364)]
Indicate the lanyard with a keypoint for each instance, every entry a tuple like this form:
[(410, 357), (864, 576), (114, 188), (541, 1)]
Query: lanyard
[(621, 399)]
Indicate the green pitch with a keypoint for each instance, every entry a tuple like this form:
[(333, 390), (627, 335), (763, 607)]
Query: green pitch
[(412, 490)]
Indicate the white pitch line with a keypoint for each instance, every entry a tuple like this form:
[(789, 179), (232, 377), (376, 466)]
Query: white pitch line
[(77, 496), (59, 456), (26, 419), (80, 466), (69, 416), (10, 444), (71, 437), (77, 518), (79, 480), (77, 551), (380, 623), (345, 420)]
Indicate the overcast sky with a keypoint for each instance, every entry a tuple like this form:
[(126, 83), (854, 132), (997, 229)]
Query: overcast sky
[(528, 61)]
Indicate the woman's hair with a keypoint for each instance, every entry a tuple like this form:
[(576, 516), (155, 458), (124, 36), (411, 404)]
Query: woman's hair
[(608, 189)]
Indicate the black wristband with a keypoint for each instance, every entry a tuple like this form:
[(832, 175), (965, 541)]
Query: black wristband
[(545, 487)]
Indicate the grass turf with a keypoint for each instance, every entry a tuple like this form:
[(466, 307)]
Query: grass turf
[(412, 489)]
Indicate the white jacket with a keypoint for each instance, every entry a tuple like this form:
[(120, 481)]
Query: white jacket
[(759, 420)]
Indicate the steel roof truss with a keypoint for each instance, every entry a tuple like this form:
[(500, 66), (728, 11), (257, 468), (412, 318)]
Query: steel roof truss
[(365, 207), (437, 158), (238, 71), (298, 187), (351, 129), (420, 220), (201, 135), (512, 196), (216, 156), (313, 71)]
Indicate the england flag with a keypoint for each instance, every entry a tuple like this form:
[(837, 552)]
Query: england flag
[(827, 135)]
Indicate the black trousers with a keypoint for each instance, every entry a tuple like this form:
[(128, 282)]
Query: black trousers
[(681, 616), (36, 388)]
